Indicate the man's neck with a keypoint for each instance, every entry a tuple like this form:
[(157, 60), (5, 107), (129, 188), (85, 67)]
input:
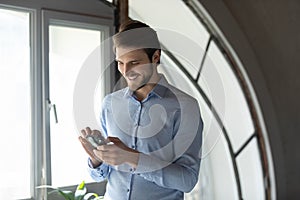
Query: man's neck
[(143, 92)]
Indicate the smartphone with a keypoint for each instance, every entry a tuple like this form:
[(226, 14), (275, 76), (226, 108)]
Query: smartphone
[(96, 141)]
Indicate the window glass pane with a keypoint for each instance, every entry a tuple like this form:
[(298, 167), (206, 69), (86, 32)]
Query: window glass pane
[(69, 48), (177, 78), (205, 187), (216, 174), (216, 178), (178, 29), (250, 169), (222, 87), (15, 105), (223, 178)]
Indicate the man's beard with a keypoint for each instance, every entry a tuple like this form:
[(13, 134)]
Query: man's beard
[(136, 85)]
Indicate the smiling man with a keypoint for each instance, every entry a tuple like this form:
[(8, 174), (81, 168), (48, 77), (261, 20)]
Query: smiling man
[(140, 75), (153, 131)]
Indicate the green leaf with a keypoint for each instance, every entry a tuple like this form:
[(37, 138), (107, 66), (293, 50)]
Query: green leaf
[(89, 195), (81, 186), (98, 198), (80, 191), (68, 195)]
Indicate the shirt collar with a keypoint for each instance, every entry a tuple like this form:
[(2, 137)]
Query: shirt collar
[(161, 87), (159, 90)]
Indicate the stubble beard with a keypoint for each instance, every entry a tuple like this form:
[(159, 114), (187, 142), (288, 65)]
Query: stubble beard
[(138, 84)]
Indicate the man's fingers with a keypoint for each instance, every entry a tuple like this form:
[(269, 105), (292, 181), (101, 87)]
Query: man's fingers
[(83, 133), (115, 140), (101, 155), (88, 130), (107, 147), (86, 145), (105, 156), (96, 132), (120, 144), (83, 140)]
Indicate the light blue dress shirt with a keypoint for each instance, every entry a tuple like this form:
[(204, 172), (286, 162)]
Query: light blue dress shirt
[(166, 128)]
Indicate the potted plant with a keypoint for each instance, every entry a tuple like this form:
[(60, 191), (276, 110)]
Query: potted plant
[(79, 194)]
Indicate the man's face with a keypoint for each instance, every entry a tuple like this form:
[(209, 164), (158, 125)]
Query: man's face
[(135, 66)]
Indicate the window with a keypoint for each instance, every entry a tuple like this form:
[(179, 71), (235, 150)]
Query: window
[(41, 54), (220, 84), (74, 62), (69, 48), (15, 104)]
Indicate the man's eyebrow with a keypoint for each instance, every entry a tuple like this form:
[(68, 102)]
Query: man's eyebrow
[(134, 60)]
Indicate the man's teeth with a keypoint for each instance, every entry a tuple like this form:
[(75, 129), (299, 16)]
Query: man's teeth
[(132, 76)]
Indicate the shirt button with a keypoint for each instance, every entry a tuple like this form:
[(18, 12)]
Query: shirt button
[(128, 190), (133, 146)]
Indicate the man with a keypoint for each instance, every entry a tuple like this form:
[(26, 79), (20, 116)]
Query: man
[(154, 130)]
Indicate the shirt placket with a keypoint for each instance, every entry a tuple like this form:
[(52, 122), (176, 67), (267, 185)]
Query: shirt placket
[(137, 118)]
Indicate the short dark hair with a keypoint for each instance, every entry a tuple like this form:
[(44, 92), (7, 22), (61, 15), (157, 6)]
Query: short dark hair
[(133, 33)]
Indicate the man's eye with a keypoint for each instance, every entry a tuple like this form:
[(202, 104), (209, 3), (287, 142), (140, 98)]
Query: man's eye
[(135, 63)]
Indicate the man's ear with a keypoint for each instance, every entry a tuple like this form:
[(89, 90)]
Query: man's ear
[(156, 57)]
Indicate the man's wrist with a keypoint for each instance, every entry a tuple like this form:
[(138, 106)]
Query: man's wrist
[(95, 163), (134, 159)]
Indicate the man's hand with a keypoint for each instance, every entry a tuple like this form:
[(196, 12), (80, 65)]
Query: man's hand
[(117, 153), (88, 147)]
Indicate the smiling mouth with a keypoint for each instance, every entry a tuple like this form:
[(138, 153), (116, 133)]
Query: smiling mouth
[(132, 76)]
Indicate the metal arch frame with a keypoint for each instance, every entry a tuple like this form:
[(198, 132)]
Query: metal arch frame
[(258, 129), (246, 91), (214, 112), (207, 101)]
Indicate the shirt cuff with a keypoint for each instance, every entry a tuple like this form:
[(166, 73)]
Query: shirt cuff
[(98, 173), (148, 163), (90, 164)]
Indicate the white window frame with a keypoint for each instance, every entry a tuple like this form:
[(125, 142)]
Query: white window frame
[(93, 9)]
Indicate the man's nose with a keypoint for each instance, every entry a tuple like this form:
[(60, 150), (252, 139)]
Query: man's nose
[(126, 68)]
